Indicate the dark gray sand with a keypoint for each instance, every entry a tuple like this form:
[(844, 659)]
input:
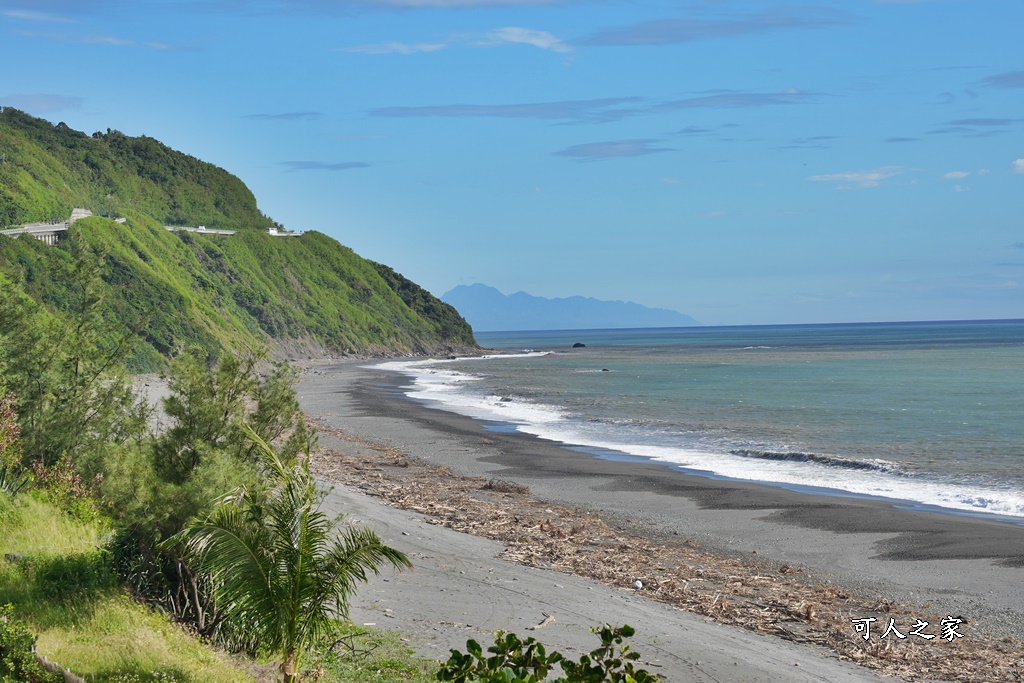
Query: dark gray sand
[(959, 565)]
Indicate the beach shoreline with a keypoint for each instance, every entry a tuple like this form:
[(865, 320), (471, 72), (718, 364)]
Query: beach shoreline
[(962, 566)]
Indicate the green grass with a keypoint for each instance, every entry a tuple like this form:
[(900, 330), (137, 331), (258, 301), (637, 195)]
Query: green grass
[(373, 656), (87, 623), (91, 626)]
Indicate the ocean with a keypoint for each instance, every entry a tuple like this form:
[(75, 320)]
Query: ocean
[(927, 414)]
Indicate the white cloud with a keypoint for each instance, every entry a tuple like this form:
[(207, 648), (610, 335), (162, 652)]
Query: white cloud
[(956, 175), (508, 35), (1017, 166), (29, 15), (612, 149), (396, 48), (849, 180), (526, 36), (98, 39)]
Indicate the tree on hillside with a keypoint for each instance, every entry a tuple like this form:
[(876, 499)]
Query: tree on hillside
[(65, 371), (209, 404), (282, 570), (204, 451)]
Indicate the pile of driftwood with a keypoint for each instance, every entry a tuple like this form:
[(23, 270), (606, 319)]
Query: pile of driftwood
[(756, 595)]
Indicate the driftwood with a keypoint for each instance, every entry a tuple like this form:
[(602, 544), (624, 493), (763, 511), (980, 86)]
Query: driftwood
[(54, 668), (547, 620), (776, 599)]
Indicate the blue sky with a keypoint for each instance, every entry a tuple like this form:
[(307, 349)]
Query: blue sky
[(744, 162)]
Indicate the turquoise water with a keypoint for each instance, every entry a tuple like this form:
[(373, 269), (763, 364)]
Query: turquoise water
[(931, 413)]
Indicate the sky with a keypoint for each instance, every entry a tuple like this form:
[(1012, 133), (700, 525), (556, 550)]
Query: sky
[(743, 162)]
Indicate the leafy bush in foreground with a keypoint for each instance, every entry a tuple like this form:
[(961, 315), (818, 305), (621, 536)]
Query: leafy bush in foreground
[(17, 660), (516, 661)]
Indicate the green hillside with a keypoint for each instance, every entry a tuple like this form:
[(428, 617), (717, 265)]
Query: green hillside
[(304, 296), (46, 170)]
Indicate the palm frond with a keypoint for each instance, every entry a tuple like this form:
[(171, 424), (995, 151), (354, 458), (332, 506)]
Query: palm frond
[(280, 566), (357, 552), (232, 550)]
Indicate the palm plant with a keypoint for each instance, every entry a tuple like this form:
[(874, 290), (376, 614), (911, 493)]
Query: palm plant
[(12, 479), (282, 570)]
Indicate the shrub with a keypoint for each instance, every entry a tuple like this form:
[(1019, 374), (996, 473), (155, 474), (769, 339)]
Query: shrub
[(63, 576), (17, 659), (516, 661), (12, 477), (63, 486), (10, 432)]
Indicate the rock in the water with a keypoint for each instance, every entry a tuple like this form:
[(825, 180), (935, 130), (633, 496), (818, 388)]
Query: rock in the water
[(579, 345)]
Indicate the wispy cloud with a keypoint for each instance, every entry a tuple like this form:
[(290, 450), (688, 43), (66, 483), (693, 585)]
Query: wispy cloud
[(812, 142), (527, 36), (902, 139), (31, 15), (508, 35), (693, 131), (462, 3), (614, 149), (956, 175), (342, 7), (969, 131), (976, 127), (609, 109), (604, 110), (286, 116), (733, 99), (100, 39), (1009, 79), (395, 48), (41, 103), (983, 122), (324, 165), (849, 180), (1017, 166), (673, 31), (64, 7)]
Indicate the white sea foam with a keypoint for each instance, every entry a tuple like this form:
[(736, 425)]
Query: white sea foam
[(454, 390)]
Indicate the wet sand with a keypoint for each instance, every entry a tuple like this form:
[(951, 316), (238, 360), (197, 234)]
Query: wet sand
[(956, 565)]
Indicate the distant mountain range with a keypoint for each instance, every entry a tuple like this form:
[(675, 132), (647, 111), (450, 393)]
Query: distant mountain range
[(487, 309)]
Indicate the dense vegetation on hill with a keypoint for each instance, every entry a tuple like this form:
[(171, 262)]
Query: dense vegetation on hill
[(304, 296), (47, 170)]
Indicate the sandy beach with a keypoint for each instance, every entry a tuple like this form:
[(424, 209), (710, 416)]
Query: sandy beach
[(821, 561)]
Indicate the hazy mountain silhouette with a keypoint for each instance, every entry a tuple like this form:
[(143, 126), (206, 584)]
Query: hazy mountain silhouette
[(487, 309)]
